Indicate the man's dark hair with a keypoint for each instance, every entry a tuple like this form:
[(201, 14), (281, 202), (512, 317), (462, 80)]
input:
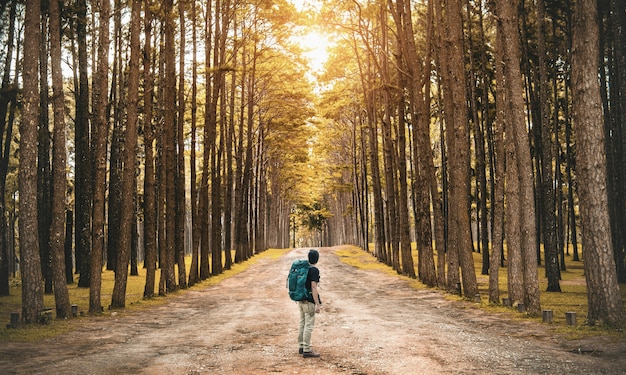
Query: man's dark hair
[(313, 256)]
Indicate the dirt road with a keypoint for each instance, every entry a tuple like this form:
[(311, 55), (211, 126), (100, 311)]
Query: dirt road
[(371, 323)]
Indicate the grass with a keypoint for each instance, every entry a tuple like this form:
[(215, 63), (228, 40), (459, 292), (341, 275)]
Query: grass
[(80, 297), (572, 298)]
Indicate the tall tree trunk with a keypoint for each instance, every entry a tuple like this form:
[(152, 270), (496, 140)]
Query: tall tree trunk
[(548, 209), (230, 144), (127, 211), (84, 158), (101, 126), (206, 153), (149, 204), (116, 162), (405, 81), (516, 133), (618, 22), (59, 165), (179, 181), (458, 133), (603, 295), (498, 158), (6, 95), (169, 142), (452, 277), (194, 275), (44, 169), (32, 293)]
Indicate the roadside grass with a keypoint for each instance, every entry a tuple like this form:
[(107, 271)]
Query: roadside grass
[(573, 297), (80, 297)]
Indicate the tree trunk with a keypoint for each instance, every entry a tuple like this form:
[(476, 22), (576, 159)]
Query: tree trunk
[(169, 142), (517, 135), (127, 209), (6, 95), (44, 169), (498, 161), (548, 209), (194, 275), (603, 295), (84, 157), (32, 293), (101, 126), (179, 181), (149, 204), (59, 165), (116, 162), (458, 134)]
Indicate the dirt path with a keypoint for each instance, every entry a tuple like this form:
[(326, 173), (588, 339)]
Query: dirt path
[(371, 323)]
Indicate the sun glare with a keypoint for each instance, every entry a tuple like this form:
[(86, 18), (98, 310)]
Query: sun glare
[(315, 46)]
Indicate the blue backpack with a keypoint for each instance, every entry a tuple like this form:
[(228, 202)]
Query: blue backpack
[(296, 280)]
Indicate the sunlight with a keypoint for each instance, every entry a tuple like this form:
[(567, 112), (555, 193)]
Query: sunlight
[(313, 40), (315, 46)]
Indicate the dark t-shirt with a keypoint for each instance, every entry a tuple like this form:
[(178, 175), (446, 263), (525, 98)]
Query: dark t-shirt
[(314, 275)]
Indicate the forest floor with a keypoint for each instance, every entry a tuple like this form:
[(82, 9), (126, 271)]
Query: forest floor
[(370, 323)]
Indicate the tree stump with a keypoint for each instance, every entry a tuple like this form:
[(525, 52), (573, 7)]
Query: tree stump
[(46, 315), (570, 318), (15, 320), (547, 316)]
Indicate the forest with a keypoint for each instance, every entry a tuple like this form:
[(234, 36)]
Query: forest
[(140, 133)]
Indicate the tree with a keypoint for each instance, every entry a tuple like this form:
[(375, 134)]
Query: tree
[(547, 199), (520, 200), (84, 156), (603, 295), (59, 165), (169, 145), (128, 171), (179, 180), (32, 292), (149, 199), (7, 95), (194, 275), (101, 126), (458, 137)]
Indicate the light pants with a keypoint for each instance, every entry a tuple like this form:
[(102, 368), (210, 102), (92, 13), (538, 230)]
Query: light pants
[(307, 321)]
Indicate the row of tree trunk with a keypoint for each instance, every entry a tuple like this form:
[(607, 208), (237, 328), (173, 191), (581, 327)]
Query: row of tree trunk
[(153, 146), (499, 132)]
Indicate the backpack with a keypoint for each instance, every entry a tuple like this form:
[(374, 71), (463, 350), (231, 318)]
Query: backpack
[(296, 280)]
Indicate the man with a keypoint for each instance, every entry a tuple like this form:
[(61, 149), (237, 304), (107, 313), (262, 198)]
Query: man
[(309, 307)]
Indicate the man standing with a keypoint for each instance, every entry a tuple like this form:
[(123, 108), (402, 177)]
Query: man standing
[(309, 307)]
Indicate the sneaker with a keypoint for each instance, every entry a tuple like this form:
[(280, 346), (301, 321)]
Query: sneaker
[(310, 354), (300, 351)]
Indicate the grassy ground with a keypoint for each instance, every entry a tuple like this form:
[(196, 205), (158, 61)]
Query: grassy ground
[(80, 297), (572, 298)]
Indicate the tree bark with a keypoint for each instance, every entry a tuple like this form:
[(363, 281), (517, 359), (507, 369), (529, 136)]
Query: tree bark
[(101, 126), (59, 165), (32, 293), (458, 134), (84, 157), (603, 295), (7, 95), (127, 209), (169, 142), (517, 137), (548, 208), (149, 203)]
